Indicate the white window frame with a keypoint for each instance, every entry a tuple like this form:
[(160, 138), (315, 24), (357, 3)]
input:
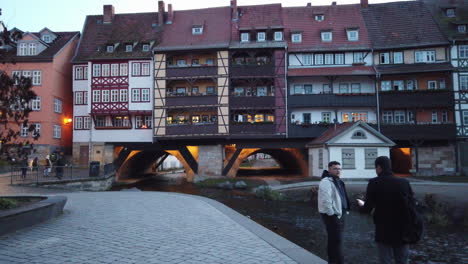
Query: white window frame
[(96, 70), (307, 59), (424, 56), (353, 35), (450, 12), (397, 57), (339, 58), (197, 30), (261, 36), (358, 57), (86, 122), (465, 117), (37, 78), (36, 103), (136, 97), (145, 69), (464, 82), (78, 73), (348, 158), (386, 85), (327, 36), (145, 95), (23, 49), (343, 88), (105, 96), (78, 98), (296, 37), (432, 85), (434, 117), (37, 130), (245, 37), (387, 117), (384, 58), (329, 58), (123, 94), (110, 48), (105, 70), (114, 69), (411, 85), (115, 95), (96, 96), (461, 28), (136, 69), (123, 69), (318, 59), (463, 51), (57, 131), (128, 48), (399, 117), (24, 131), (57, 105), (145, 47), (398, 85), (355, 88), (32, 49), (278, 36), (78, 122), (319, 18)]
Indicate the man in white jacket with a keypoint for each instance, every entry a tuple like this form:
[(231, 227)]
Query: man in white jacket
[(333, 204)]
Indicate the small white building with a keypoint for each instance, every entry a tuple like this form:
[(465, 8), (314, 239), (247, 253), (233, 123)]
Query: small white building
[(354, 145)]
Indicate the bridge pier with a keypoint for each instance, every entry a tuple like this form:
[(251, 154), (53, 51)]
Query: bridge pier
[(210, 161)]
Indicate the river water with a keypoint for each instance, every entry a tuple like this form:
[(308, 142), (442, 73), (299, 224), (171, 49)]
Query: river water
[(300, 223)]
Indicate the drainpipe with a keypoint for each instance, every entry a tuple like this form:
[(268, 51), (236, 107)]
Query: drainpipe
[(377, 77), (286, 87)]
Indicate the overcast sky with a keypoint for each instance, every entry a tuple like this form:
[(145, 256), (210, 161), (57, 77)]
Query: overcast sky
[(66, 15)]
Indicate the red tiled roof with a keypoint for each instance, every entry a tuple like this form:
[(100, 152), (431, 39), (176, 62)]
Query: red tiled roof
[(260, 16), (125, 28), (337, 18), (330, 71), (216, 29), (331, 133)]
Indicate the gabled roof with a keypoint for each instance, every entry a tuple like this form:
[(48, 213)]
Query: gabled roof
[(332, 134), (338, 18), (63, 38), (125, 28), (448, 25), (216, 24), (402, 25)]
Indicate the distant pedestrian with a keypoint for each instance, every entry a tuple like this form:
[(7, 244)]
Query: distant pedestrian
[(24, 167), (386, 196), (47, 166), (34, 164), (60, 163), (333, 204)]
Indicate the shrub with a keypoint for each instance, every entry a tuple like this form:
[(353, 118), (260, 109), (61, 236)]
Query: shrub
[(265, 192), (438, 212), (6, 203)]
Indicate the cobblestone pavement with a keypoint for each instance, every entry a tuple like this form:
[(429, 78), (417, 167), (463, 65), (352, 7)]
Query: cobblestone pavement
[(138, 227)]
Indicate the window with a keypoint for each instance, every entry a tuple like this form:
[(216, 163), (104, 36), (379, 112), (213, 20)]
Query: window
[(387, 117), (79, 73), (444, 116), (78, 122), (384, 58), (465, 117), (307, 59), (308, 88), (327, 36), (425, 56), (463, 51), (398, 85), (261, 91), (23, 49), (105, 96), (320, 159), (86, 122), (339, 58), (195, 62), (26, 74), (326, 88), (434, 117), (46, 38), (298, 89), (145, 95), (432, 85), (37, 78), (370, 156), (326, 117), (145, 122), (78, 98), (296, 37), (278, 36), (442, 84), (57, 105), (359, 116), (399, 117), (245, 37), (100, 121), (105, 70), (145, 69), (410, 84), (197, 30), (123, 95), (450, 12), (359, 135), (261, 36), (306, 118), (32, 49), (136, 69), (114, 95), (344, 88), (96, 70), (24, 131), (319, 18), (57, 131), (37, 130), (210, 90), (96, 96), (128, 48), (329, 59), (123, 69), (36, 104), (347, 157), (110, 48), (411, 117), (318, 59), (209, 62), (353, 35), (358, 57), (398, 57), (355, 88), (145, 47), (239, 91), (461, 28), (464, 82)]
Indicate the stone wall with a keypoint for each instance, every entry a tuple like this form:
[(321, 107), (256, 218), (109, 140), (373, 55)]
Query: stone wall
[(210, 161), (435, 161), (91, 184)]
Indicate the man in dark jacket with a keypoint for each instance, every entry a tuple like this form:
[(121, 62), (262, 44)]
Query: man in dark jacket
[(385, 195)]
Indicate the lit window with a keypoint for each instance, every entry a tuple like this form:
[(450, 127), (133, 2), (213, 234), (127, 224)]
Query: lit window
[(327, 36), (296, 37), (244, 37), (278, 36), (261, 36), (319, 18), (326, 117), (353, 35)]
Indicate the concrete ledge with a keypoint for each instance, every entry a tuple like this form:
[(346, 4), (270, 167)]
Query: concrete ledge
[(18, 218), (94, 184), (293, 251)]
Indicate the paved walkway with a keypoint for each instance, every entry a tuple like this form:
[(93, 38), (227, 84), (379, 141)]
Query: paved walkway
[(148, 227)]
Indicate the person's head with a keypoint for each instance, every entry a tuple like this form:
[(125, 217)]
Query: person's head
[(383, 165), (334, 168)]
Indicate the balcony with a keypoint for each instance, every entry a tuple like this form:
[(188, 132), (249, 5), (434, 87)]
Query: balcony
[(252, 129), (191, 129), (419, 131), (332, 100), (191, 100), (251, 102), (306, 131), (182, 72), (252, 70), (416, 99)]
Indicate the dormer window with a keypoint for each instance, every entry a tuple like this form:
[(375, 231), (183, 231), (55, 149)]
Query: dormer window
[(450, 12), (261, 36), (319, 18), (359, 135), (327, 36), (278, 36), (128, 48), (146, 47), (32, 49), (296, 37), (197, 30), (46, 38), (353, 35), (23, 49), (461, 28), (110, 48), (245, 37)]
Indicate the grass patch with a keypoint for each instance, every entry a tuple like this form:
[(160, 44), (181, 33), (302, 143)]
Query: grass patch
[(442, 178), (213, 183), (266, 193)]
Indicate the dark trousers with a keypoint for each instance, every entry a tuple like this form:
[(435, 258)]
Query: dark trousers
[(334, 226), (393, 254)]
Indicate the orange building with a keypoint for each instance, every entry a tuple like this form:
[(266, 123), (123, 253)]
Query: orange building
[(45, 57)]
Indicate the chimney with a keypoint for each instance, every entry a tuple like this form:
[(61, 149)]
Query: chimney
[(170, 14), (334, 3), (108, 14), (364, 3), (160, 13), (235, 12), (309, 4)]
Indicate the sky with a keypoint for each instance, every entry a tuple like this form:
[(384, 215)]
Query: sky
[(69, 15)]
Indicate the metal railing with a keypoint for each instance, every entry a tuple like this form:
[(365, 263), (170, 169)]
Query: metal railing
[(56, 173)]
